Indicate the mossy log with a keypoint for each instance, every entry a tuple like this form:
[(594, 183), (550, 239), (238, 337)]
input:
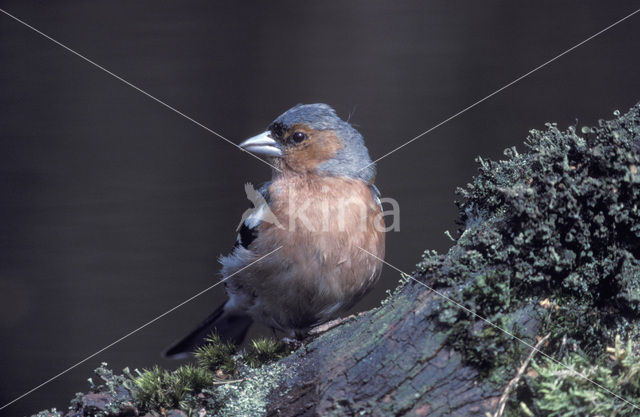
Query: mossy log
[(395, 360), (549, 244)]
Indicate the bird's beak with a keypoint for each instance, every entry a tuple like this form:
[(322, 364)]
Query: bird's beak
[(262, 144)]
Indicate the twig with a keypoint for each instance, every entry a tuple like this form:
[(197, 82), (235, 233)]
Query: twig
[(331, 324), (219, 381), (516, 379)]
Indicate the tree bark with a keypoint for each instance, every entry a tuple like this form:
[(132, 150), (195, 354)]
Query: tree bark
[(393, 360)]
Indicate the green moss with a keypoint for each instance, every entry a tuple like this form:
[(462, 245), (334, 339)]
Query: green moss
[(482, 345), (217, 355), (223, 382), (158, 388), (559, 392), (265, 350)]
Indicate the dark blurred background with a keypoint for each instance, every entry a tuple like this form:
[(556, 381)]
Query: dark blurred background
[(114, 209)]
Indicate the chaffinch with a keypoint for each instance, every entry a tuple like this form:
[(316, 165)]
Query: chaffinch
[(318, 210)]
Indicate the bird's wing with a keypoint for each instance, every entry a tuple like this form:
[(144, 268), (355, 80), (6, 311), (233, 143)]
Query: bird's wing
[(376, 195), (248, 228)]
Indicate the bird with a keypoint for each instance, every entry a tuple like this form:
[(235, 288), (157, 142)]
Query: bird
[(300, 257)]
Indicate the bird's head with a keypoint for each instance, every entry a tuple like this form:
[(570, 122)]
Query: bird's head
[(312, 139)]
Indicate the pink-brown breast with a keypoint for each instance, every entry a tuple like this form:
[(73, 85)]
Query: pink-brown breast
[(320, 271)]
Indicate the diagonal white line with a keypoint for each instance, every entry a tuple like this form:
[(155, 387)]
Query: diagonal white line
[(503, 330), (134, 87), (137, 330), (502, 88)]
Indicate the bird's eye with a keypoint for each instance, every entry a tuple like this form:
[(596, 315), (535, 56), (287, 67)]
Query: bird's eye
[(298, 137)]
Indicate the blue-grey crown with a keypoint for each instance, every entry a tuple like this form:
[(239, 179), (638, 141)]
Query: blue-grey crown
[(353, 159)]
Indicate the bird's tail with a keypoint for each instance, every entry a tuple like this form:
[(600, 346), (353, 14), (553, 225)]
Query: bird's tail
[(230, 327)]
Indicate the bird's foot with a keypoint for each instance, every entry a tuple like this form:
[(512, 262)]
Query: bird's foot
[(293, 344)]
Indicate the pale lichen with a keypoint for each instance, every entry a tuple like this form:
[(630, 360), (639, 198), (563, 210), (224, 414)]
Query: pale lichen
[(559, 223), (250, 397)]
